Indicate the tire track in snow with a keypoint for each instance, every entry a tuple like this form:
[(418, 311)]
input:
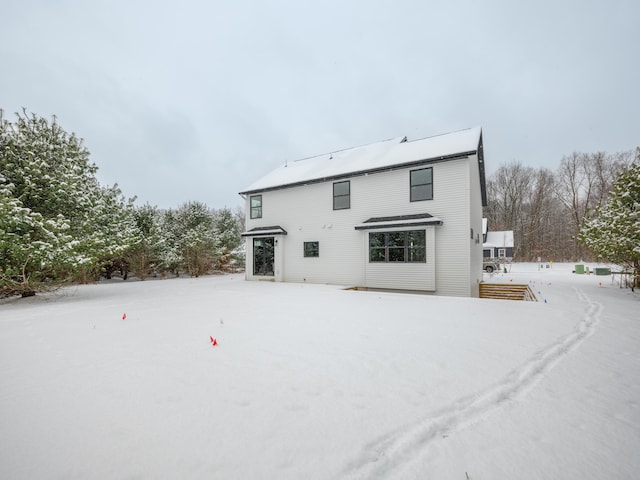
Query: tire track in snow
[(402, 447)]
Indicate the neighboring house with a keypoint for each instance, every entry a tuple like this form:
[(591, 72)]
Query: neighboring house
[(396, 214), (496, 245)]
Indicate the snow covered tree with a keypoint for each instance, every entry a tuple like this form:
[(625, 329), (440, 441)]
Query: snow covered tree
[(199, 243), (190, 242), (108, 230), (226, 225), (143, 257), (49, 183), (170, 257), (614, 231), (34, 252)]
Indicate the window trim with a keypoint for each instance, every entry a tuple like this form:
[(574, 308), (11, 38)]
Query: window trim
[(309, 252), (348, 195), (406, 248), (411, 184), (252, 207)]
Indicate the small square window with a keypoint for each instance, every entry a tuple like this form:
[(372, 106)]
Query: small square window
[(311, 249), (256, 206)]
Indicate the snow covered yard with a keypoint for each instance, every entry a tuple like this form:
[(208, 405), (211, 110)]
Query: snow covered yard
[(315, 382)]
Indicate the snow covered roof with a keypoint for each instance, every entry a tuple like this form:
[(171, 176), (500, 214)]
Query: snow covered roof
[(275, 230), (397, 152), (399, 221), (502, 239)]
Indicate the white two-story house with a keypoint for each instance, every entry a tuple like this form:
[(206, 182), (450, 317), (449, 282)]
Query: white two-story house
[(397, 214)]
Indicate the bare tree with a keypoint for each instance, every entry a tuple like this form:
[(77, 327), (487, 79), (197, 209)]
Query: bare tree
[(574, 188), (508, 190), (539, 213)]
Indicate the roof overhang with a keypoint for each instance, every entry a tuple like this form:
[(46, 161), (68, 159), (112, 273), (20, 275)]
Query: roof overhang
[(360, 173), (420, 219), (263, 231)]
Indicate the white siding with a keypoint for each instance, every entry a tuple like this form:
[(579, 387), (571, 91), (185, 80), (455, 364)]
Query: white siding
[(452, 239), (475, 209), (306, 213)]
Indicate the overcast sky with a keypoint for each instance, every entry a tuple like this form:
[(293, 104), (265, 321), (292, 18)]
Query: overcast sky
[(194, 100)]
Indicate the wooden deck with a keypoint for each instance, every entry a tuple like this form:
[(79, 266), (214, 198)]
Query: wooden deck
[(507, 291)]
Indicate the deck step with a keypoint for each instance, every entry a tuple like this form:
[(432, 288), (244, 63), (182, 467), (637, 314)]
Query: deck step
[(507, 291)]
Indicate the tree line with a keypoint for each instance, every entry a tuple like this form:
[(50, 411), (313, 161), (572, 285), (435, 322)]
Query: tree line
[(58, 224), (547, 210)]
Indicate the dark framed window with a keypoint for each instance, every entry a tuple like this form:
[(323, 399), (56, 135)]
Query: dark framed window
[(256, 206), (421, 184), (341, 195), (311, 249), (263, 256), (395, 247)]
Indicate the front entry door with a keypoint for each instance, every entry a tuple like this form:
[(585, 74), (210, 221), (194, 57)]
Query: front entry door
[(263, 256)]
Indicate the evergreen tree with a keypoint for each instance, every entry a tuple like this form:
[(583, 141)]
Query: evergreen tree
[(189, 240), (109, 229), (144, 256), (170, 257), (48, 181), (227, 228), (614, 231), (199, 245), (34, 252)]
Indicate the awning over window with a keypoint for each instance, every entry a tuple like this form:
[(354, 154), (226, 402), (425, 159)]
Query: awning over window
[(254, 232), (399, 221)]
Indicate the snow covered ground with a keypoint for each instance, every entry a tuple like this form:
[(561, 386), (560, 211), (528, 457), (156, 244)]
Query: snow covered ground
[(315, 382)]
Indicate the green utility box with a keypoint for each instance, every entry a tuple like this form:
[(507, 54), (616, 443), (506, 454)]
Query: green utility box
[(580, 269), (603, 271)]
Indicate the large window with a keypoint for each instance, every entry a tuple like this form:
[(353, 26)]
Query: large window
[(256, 206), (311, 249), (422, 184), (341, 195), (397, 246)]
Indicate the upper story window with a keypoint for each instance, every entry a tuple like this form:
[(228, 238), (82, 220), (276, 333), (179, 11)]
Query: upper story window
[(341, 195), (422, 184), (256, 206), (398, 246)]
